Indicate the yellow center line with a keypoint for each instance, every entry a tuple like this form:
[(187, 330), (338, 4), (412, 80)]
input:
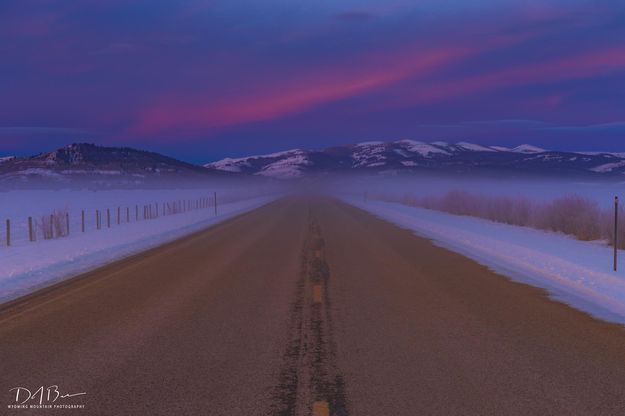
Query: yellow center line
[(317, 293), (321, 408)]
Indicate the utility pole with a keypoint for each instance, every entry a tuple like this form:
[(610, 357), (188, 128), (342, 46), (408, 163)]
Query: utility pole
[(615, 233)]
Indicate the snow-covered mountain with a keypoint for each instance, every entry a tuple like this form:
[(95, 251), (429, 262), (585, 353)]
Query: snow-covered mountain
[(90, 163), (287, 164), (416, 156)]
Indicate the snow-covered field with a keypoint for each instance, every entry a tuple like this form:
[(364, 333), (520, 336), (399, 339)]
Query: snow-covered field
[(572, 271), (26, 266)]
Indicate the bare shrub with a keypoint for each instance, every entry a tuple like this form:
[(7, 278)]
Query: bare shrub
[(53, 225), (572, 215)]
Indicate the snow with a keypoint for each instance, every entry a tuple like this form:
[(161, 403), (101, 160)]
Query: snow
[(370, 143), (574, 272), (93, 172), (423, 149), (6, 158), (369, 154), (608, 167), (288, 164), (28, 266), (402, 153), (474, 147), (280, 154), (528, 148), (36, 171), (229, 164), (290, 167), (234, 164), (408, 163)]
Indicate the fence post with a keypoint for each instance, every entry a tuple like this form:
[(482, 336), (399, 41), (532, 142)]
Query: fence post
[(82, 221), (108, 218), (119, 215), (67, 222), (136, 212), (8, 233), (51, 226), (97, 219), (30, 229), (127, 214), (615, 233), (215, 197)]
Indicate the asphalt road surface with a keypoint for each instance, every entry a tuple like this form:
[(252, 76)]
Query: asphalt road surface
[(306, 306)]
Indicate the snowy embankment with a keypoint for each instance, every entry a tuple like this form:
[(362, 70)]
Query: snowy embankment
[(27, 267), (575, 272)]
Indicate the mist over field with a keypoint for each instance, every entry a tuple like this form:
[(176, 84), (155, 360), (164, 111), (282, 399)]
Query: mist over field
[(538, 189)]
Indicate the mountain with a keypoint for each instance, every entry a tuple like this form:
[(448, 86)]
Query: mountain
[(88, 163), (409, 156)]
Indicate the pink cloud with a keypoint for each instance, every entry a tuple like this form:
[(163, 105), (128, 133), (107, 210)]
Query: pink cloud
[(280, 98), (584, 65), (318, 86)]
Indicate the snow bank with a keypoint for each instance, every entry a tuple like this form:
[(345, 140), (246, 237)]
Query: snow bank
[(30, 266), (575, 272)]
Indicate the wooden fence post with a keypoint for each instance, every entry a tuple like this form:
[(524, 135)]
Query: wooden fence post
[(615, 233), (127, 214), (67, 222), (215, 196), (119, 215), (108, 218), (136, 212), (30, 229), (51, 226), (97, 219), (8, 233), (82, 221)]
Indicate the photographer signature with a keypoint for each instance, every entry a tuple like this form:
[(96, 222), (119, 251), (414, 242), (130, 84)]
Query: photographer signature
[(43, 394)]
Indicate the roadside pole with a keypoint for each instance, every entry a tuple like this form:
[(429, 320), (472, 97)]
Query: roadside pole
[(615, 233)]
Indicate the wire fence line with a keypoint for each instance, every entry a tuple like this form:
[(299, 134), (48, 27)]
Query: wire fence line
[(60, 222)]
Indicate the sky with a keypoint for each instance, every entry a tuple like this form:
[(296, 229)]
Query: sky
[(205, 79)]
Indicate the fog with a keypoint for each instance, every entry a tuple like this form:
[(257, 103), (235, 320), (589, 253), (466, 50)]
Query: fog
[(537, 189)]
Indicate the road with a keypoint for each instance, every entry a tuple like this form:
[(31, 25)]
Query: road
[(307, 306)]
